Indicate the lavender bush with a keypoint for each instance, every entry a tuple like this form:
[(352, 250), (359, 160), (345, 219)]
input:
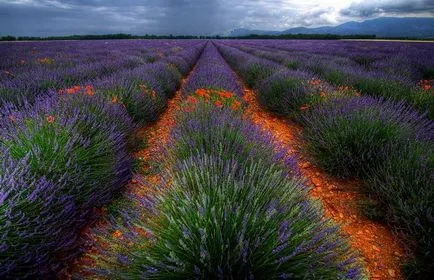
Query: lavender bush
[(253, 70), (404, 186), (168, 77), (219, 76), (350, 136), (138, 90), (231, 137), (391, 147), (215, 222), (284, 92), (184, 60), (60, 158), (225, 216)]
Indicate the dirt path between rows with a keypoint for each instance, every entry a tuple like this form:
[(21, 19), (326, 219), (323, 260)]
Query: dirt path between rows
[(155, 136), (378, 247)]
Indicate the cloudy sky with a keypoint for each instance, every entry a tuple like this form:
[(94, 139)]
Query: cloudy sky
[(199, 17)]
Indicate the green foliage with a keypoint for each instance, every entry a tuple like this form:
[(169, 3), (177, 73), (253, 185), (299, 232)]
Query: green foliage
[(352, 145), (428, 73), (293, 64), (254, 73), (318, 69), (282, 95), (230, 136), (364, 61), (405, 187), (44, 144), (151, 58), (61, 157), (336, 77), (381, 88), (391, 147), (141, 101), (371, 209), (50, 153), (215, 222), (421, 100)]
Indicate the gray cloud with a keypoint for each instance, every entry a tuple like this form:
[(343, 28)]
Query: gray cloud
[(392, 7), (55, 17)]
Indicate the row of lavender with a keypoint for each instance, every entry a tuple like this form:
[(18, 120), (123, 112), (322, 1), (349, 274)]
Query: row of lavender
[(19, 58), (401, 71), (233, 205), (28, 69), (283, 91), (405, 61), (214, 73), (145, 89), (66, 152), (385, 143)]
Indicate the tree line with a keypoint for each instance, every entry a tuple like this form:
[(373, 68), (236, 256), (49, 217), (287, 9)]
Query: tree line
[(250, 36)]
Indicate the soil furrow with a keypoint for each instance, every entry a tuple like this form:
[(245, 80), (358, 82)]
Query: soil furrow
[(155, 136), (378, 246)]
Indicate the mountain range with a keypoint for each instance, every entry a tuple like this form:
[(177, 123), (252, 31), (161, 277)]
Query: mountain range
[(381, 27)]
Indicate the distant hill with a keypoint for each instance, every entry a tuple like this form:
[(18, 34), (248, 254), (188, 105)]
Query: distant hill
[(381, 27), (244, 32)]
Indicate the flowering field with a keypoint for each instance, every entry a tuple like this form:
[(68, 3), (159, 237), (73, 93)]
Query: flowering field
[(180, 159)]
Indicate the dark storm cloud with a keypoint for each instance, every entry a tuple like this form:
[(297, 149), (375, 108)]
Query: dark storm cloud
[(44, 18), (55, 17), (393, 7)]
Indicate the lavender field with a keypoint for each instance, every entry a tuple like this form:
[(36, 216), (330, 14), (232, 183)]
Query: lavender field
[(216, 159)]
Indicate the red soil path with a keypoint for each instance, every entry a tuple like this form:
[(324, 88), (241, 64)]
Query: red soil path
[(156, 135), (378, 247)]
